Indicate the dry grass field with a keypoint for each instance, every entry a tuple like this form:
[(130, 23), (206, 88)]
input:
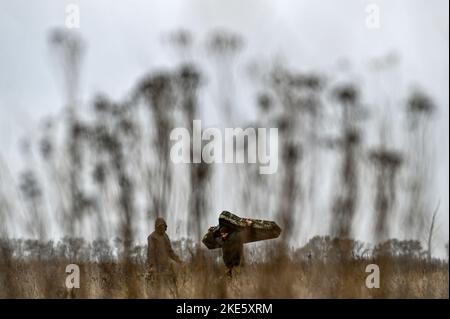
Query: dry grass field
[(203, 276)]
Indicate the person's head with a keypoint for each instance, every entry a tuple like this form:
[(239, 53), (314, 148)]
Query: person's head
[(160, 225)]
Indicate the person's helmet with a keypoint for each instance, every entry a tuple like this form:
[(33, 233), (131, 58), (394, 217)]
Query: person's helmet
[(160, 222)]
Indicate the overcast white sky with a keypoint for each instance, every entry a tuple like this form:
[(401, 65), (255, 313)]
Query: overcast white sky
[(124, 41)]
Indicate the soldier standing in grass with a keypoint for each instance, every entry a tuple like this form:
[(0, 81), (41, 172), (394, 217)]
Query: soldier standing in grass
[(159, 250)]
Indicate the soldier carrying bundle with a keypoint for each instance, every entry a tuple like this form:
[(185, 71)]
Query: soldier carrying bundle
[(233, 232)]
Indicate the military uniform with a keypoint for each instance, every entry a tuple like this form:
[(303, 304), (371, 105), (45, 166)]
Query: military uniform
[(159, 251), (232, 244)]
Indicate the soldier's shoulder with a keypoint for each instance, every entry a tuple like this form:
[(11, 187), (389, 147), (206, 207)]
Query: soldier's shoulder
[(151, 236)]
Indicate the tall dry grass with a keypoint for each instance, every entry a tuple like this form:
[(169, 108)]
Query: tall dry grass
[(304, 273)]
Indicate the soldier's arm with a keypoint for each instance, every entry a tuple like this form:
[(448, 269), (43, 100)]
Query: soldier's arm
[(151, 251), (211, 240), (215, 232), (171, 252)]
